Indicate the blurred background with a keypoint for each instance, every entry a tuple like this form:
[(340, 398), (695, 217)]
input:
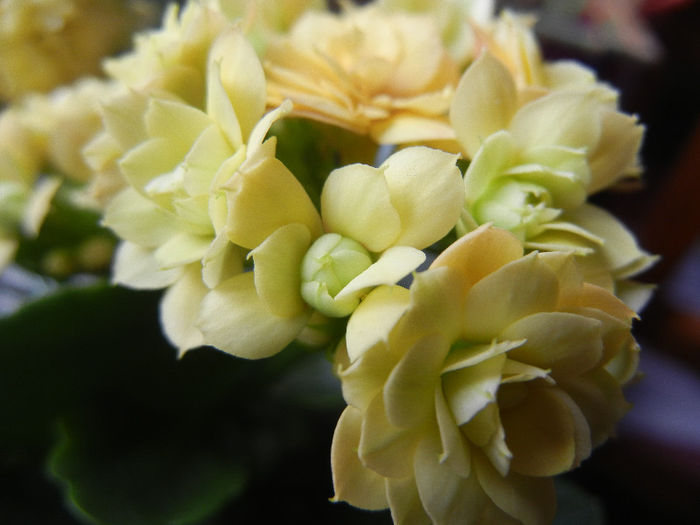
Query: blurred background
[(102, 424)]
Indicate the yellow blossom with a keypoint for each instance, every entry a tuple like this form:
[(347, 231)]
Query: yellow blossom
[(177, 161), (41, 139), (468, 392), (264, 19), (457, 20), (46, 43), (376, 221), (367, 69), (174, 56), (534, 165)]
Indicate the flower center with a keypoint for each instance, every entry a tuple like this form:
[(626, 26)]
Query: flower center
[(329, 265)]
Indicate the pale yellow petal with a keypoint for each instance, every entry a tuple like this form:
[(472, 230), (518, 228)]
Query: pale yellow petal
[(242, 77), (393, 265), (599, 396), (234, 319), (278, 269), (356, 203), (404, 501), (384, 448), (138, 268), (263, 199), (563, 118), (566, 343), (547, 433), (469, 390), (372, 321), (222, 261), (179, 310), (484, 102), (39, 204), (138, 219), (495, 154), (529, 499), (455, 448), (410, 128), (520, 288), (448, 498), (426, 189), (480, 253), (364, 379), (409, 389), (352, 481), (182, 248), (620, 252)]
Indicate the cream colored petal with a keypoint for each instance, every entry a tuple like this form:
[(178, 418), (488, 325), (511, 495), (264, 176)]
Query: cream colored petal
[(234, 319), (470, 355), (364, 379), (220, 109), (139, 220), (123, 118), (257, 135), (182, 248), (409, 390), (180, 123), (618, 150), (529, 499), (448, 498), (566, 343), (38, 205), (372, 321), (278, 269), (564, 118), (547, 433), (356, 203), (393, 265), (469, 390), (455, 448), (179, 310), (410, 128), (263, 199), (599, 396), (496, 153), (202, 162), (404, 501), (518, 289), (222, 261), (435, 308), (426, 189), (620, 252), (634, 294), (352, 481), (485, 102), (384, 448), (151, 158), (242, 77), (479, 253), (138, 268)]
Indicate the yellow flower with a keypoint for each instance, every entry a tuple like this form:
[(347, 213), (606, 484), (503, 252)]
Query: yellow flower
[(533, 167), (466, 393), (369, 70), (41, 138), (173, 57), (265, 19), (173, 213), (376, 220), (46, 43), (455, 18)]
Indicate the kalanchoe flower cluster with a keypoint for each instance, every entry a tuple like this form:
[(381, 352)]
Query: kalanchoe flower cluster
[(219, 166)]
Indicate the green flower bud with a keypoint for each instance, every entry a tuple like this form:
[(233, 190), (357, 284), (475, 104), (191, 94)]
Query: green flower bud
[(329, 265)]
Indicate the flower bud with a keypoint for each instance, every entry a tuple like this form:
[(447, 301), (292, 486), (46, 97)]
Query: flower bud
[(329, 265)]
